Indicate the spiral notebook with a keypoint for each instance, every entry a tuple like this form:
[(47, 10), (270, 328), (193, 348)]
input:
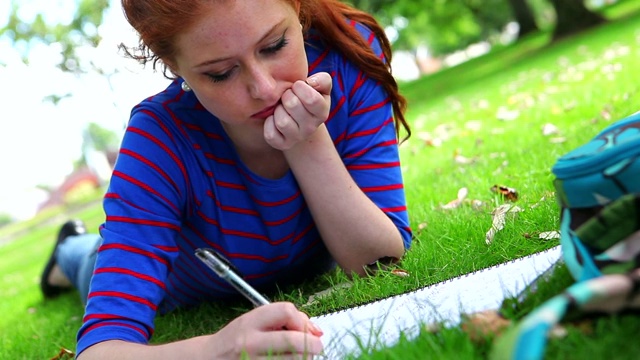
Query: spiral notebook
[(381, 323)]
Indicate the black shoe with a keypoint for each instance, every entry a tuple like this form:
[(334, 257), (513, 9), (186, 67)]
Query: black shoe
[(71, 227)]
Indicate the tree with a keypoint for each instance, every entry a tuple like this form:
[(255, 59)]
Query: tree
[(524, 17), (573, 17), (443, 26), (80, 31), (100, 138)]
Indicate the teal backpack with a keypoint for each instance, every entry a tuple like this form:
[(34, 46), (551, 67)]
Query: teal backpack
[(598, 190)]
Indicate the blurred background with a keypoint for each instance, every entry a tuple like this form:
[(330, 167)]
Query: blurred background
[(67, 90)]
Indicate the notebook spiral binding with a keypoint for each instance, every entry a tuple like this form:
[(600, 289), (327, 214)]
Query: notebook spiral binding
[(438, 284)]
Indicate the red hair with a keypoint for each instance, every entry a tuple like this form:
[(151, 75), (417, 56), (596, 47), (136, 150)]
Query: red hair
[(159, 22)]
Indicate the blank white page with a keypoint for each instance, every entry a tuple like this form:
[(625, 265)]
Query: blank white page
[(379, 324)]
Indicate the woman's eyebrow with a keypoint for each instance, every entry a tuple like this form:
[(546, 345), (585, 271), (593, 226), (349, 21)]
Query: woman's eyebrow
[(266, 35)]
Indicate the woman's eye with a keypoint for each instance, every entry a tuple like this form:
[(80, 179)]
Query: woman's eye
[(216, 78), (282, 42)]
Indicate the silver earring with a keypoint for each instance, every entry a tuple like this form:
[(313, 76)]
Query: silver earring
[(185, 86)]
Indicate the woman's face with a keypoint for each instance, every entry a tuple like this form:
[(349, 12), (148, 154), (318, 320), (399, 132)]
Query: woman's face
[(241, 56)]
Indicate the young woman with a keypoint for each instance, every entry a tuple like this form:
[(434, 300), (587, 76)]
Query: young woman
[(276, 145)]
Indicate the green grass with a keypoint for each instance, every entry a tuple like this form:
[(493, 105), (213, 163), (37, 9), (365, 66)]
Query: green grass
[(580, 85)]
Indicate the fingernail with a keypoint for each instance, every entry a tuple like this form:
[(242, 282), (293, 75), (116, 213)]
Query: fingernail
[(312, 81), (315, 328)]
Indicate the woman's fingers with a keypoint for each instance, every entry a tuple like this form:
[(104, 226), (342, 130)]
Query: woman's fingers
[(310, 99), (303, 109), (285, 315), (278, 328), (288, 342)]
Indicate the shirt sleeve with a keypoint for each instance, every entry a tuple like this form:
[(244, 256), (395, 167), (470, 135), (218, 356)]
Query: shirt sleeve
[(143, 203), (368, 143)]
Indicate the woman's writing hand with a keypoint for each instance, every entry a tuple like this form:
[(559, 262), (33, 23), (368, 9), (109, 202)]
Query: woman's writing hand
[(277, 329), (303, 109)]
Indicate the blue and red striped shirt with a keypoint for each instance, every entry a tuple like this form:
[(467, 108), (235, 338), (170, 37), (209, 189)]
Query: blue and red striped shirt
[(179, 185)]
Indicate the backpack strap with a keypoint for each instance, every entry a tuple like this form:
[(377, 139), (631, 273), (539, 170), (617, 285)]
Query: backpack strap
[(605, 243), (606, 294), (603, 255)]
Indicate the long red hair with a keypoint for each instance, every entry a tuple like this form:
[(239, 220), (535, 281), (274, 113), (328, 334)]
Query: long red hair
[(158, 22)]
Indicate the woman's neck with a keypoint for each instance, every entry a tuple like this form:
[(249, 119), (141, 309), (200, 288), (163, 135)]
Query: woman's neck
[(255, 153)]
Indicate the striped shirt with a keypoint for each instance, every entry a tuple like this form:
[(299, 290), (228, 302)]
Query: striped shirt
[(179, 185)]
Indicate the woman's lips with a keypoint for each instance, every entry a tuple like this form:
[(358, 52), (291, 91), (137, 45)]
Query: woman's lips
[(265, 113)]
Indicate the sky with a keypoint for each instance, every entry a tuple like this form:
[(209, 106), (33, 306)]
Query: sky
[(40, 141)]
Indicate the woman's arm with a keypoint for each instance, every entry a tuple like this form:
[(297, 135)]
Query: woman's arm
[(355, 230), (259, 332)]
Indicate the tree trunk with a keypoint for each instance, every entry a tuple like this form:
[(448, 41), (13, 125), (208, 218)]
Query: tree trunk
[(524, 17), (573, 17)]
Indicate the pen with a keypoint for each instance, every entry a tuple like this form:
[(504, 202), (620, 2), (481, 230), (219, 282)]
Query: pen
[(224, 269)]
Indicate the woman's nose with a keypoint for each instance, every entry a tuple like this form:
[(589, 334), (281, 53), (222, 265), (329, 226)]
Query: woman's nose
[(262, 84)]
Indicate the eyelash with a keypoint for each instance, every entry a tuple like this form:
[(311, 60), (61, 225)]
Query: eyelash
[(282, 42)]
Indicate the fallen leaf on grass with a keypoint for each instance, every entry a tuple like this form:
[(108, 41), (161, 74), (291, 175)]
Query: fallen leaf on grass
[(549, 129), (549, 235), (429, 140), (462, 194), (64, 354), (507, 193), (461, 159), (545, 235), (400, 272), (481, 325), (505, 114), (499, 218)]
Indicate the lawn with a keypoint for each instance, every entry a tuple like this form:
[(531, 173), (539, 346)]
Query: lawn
[(501, 119)]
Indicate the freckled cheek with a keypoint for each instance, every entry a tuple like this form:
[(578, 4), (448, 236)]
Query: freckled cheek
[(297, 66), (223, 104)]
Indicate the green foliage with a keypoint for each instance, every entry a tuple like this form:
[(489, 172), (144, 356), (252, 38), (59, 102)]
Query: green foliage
[(443, 26), (101, 139), (5, 219), (81, 31)]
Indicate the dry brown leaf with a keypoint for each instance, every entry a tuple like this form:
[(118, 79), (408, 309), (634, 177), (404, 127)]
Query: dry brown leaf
[(549, 129), (462, 194), (429, 140), (549, 235), (507, 193), (64, 354), (505, 114), (461, 159), (477, 204), (481, 325), (499, 219), (400, 272)]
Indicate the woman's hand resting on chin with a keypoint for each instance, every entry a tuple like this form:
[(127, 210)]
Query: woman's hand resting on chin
[(302, 110)]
